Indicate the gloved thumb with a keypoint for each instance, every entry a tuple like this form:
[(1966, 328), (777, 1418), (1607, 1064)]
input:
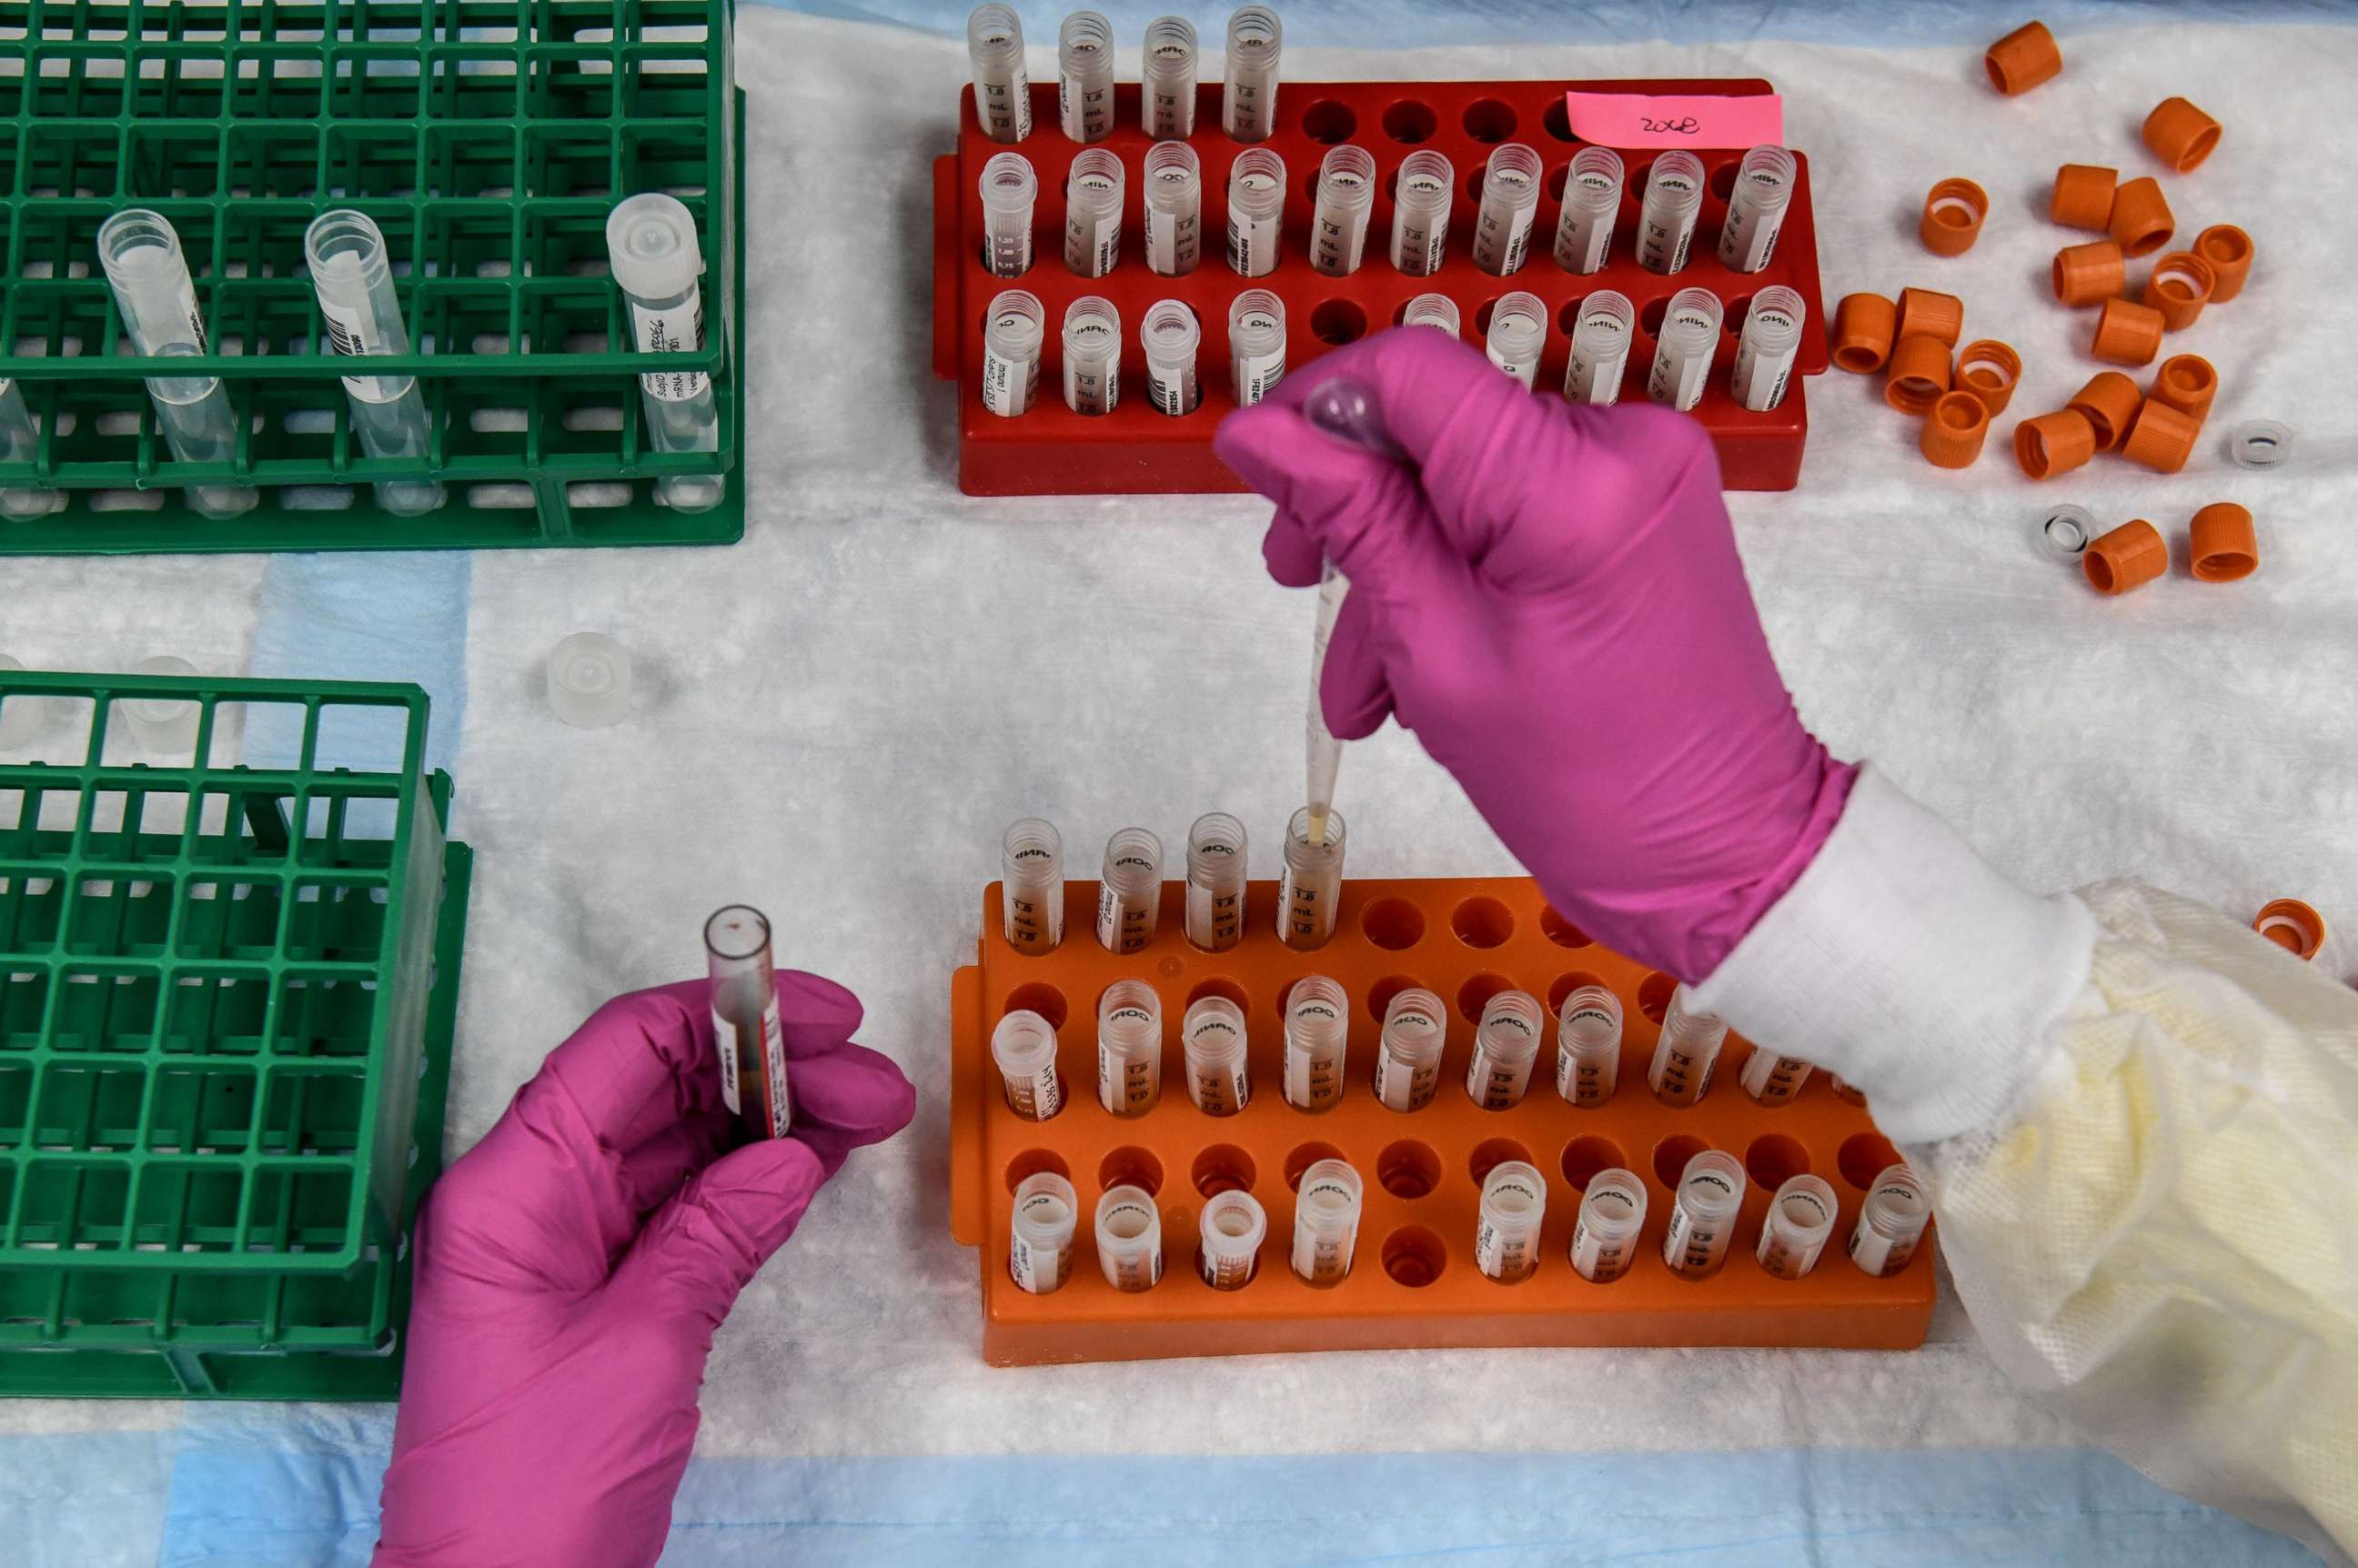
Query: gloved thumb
[(703, 1246), (1360, 510)]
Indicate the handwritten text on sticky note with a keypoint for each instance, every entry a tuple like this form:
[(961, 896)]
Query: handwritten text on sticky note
[(1676, 119)]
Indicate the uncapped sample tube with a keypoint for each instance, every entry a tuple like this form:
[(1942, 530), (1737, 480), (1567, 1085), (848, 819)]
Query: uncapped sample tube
[(655, 256), (1256, 344), (21, 443), (1684, 1056), (1317, 1025), (1326, 1221), (1800, 1218), (1510, 203), (1167, 95), (1421, 199), (1249, 103), (1010, 191), (1891, 1221), (1408, 1053), (1212, 1036), (1025, 1046), (1518, 333), (1432, 310), (1256, 211), (1130, 1239), (1169, 336), (1772, 1079), (1032, 885), (1764, 353), (1507, 1235), (1040, 1242), (1092, 355), (1129, 890), (1175, 209), (1093, 189), (157, 301), (1600, 347), (1018, 324), (1003, 88), (1129, 1048), (345, 251), (1592, 199), (1084, 76), (1312, 883), (1703, 1215), (1232, 1230), (165, 726), (1506, 1043), (1756, 209), (1683, 351), (1605, 1237), (1589, 1047), (745, 1027), (1216, 881), (1338, 222), (1666, 224)]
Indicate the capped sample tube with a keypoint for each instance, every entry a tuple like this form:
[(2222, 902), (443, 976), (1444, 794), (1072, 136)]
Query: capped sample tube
[(1326, 1222), (1317, 1025), (1800, 1218), (1312, 883), (1339, 220), (1891, 1221), (1002, 87), (1024, 1047), (1518, 332), (1232, 1230), (1093, 189), (1772, 1079), (157, 301), (165, 726), (1690, 1045), (745, 1027), (1602, 328), (1507, 1233), (1703, 1215), (1592, 199), (1510, 203), (1010, 191), (1589, 1047), (1605, 1237), (1249, 103), (1130, 1239), (1216, 881), (1174, 198), (1040, 1240), (1256, 344), (21, 443), (1012, 336), (1129, 1048), (1683, 348), (1169, 336), (1764, 353), (1256, 211), (1084, 76), (1506, 1043), (353, 283), (1432, 310), (1129, 890), (1213, 1038), (1092, 355), (1167, 95), (1407, 1052), (1666, 223), (1421, 199), (1756, 209), (1032, 884), (655, 256)]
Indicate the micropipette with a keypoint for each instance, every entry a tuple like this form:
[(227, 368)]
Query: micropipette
[(1346, 410)]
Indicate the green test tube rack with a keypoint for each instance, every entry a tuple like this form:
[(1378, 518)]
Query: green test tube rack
[(489, 139), (227, 993)]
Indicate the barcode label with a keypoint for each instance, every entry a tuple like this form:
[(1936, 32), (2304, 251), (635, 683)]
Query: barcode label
[(661, 332)]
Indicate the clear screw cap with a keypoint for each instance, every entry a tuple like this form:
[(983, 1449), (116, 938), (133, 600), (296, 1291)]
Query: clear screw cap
[(589, 680)]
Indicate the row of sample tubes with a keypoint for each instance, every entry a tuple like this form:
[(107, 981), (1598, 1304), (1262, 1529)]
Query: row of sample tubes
[(1170, 336), (1704, 1207), (1129, 886), (1172, 201), (1085, 75)]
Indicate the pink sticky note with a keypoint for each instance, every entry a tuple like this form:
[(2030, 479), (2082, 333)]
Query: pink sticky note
[(1676, 119)]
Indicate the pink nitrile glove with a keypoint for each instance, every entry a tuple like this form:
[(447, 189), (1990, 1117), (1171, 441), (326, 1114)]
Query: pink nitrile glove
[(572, 1267), (1549, 597)]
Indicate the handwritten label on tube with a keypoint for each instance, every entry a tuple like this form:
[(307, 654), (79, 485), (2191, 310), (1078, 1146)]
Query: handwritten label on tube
[(1676, 120)]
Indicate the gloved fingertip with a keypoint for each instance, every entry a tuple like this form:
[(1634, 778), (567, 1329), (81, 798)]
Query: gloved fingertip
[(856, 1091), (817, 1001), (1293, 557), (1355, 691), (1260, 445)]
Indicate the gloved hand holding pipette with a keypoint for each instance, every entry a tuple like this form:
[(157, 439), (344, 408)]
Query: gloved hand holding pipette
[(2116, 1094)]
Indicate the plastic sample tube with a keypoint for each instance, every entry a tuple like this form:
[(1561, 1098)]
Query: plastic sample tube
[(1666, 224), (652, 251), (1010, 351), (1605, 1237), (1518, 333), (1032, 885), (1216, 881), (1338, 222), (1040, 1240), (1256, 344), (1130, 1239), (1232, 1230), (1092, 355), (1600, 348), (165, 726), (1084, 76), (1175, 209), (1249, 103), (1801, 1217), (1684, 1056), (1408, 1053), (1589, 1047), (1682, 351), (1025, 1046), (22, 716), (1703, 1215), (1421, 199), (1507, 1235), (1129, 1048), (1166, 96), (21, 443), (745, 1025), (1511, 204), (157, 301), (1093, 187), (1772, 1079), (1506, 1043), (1003, 88), (1764, 353), (1213, 1039), (1432, 310), (1129, 890), (1849, 1094), (589, 680), (1591, 198), (1169, 336), (1010, 191), (353, 281), (1317, 1025), (1891, 1221), (1313, 884), (1256, 211), (1756, 209), (1326, 1222)]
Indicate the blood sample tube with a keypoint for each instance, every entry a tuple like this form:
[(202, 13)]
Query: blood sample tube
[(1338, 223), (1024, 1047), (1518, 332), (1256, 211), (745, 1024), (1756, 209), (1592, 199), (1326, 1222), (1130, 1239), (1801, 1217), (1318, 1024), (1166, 93), (1015, 329), (1421, 199), (1092, 355), (1506, 1043), (1313, 884), (1003, 88), (1589, 1047), (1175, 209), (1040, 1242), (1093, 189), (1703, 1215), (1600, 347), (1408, 1053), (1510, 203), (1084, 76), (1170, 335), (1249, 102), (1256, 344), (1216, 881), (1432, 310), (1213, 1037), (1233, 1228), (1891, 1221), (1666, 224), (1507, 1235), (1683, 349), (1605, 1238), (1129, 1048), (1772, 1079), (1764, 353), (1010, 191), (1129, 890), (1689, 1045), (1031, 878)]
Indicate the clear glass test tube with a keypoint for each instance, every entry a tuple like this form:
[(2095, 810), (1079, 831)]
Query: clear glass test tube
[(1032, 885), (157, 301), (1002, 87), (1602, 326), (1174, 198), (1092, 355), (1772, 1079), (1169, 337), (1591, 200), (21, 443), (1212, 1036), (1084, 76), (655, 257), (1129, 890), (1229, 1238), (1800, 1218), (1166, 95), (1407, 1052), (1765, 351), (1589, 1047), (1317, 1028), (1506, 1043), (1683, 349), (1507, 1233), (1040, 1240), (1432, 310), (1684, 1056), (1024, 1047), (1703, 1215), (1313, 884), (1256, 344), (1129, 1048), (1093, 189), (1756, 209), (1326, 1221), (1518, 332), (353, 281), (1421, 199), (1666, 223), (1891, 1221), (1605, 1237), (1010, 192), (1216, 881), (1016, 327), (1338, 222), (1249, 102), (745, 1026), (1511, 204), (1256, 211), (1130, 1239)]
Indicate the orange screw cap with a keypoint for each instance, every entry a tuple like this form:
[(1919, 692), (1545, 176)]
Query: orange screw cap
[(1954, 430), (2291, 925), (1989, 370), (2109, 403), (2229, 251), (2129, 556), (1865, 325), (2140, 222), (2225, 548), (2083, 196), (2188, 384), (2180, 284), (2054, 443), (2128, 333), (1932, 313), (1953, 211), (2023, 58), (2087, 273), (2180, 134), (1918, 374), (2162, 439)]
